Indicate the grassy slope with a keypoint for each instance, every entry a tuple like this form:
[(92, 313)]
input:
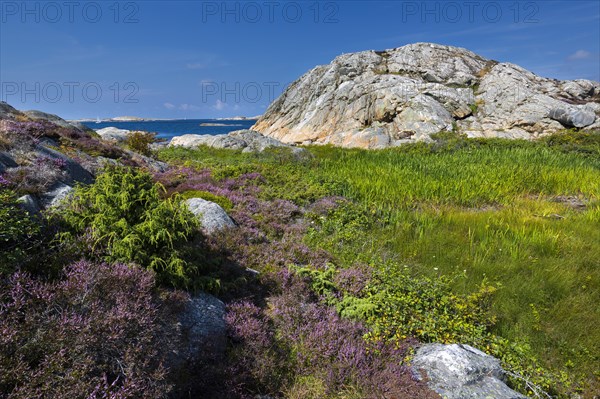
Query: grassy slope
[(488, 213), (486, 210)]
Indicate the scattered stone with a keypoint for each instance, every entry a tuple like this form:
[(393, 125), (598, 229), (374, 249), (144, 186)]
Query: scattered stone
[(202, 324), (571, 201), (211, 215), (56, 196), (462, 372), (148, 162)]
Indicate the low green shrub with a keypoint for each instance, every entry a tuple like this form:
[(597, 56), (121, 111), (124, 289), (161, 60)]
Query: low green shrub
[(124, 219), (445, 135), (19, 232), (140, 142)]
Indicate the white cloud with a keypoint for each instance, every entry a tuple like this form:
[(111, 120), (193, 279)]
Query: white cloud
[(220, 105), (206, 82), (196, 65), (206, 61), (189, 107), (579, 55), (169, 106)]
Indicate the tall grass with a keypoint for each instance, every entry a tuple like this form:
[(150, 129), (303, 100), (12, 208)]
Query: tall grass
[(486, 175)]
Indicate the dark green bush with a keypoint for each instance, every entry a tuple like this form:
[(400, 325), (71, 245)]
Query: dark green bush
[(19, 232), (140, 142), (124, 219)]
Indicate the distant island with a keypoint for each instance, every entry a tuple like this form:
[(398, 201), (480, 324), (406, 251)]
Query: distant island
[(127, 119), (240, 118), (218, 124)]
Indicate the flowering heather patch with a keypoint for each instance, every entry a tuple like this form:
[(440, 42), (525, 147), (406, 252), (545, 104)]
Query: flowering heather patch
[(28, 134), (58, 163), (258, 363), (93, 334), (324, 205), (35, 129), (180, 180), (33, 179), (37, 176), (4, 181), (297, 339)]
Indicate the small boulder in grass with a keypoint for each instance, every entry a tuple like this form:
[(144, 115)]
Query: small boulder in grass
[(462, 372), (211, 215)]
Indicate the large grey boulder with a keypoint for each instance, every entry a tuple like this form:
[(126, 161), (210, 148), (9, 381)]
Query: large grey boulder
[(255, 142), (575, 117), (212, 217), (113, 134), (462, 372), (411, 92), (213, 141)]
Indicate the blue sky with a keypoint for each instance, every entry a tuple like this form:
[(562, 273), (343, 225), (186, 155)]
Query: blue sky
[(201, 59)]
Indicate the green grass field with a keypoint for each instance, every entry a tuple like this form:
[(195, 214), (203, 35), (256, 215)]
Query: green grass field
[(520, 216)]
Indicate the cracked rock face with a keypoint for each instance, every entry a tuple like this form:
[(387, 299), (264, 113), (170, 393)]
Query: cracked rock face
[(377, 99)]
